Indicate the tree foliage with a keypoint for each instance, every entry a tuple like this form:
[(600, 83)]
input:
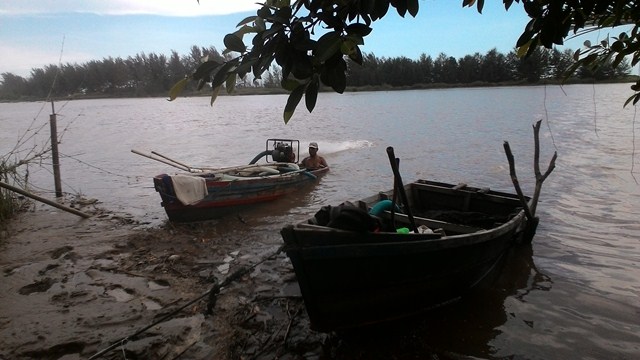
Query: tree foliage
[(140, 75), (283, 32), (153, 75), (552, 21), (310, 40)]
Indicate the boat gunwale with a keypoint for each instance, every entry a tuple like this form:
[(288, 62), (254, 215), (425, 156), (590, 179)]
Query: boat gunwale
[(413, 242)]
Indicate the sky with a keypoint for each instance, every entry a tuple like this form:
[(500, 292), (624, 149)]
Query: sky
[(37, 33)]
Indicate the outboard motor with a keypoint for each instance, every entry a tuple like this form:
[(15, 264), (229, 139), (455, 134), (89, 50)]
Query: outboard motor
[(283, 153)]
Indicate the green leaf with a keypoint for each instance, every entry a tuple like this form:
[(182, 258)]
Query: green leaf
[(330, 20), (204, 70), (348, 47), (222, 74), (292, 102), (311, 95), (608, 22), (522, 50), (230, 84), (234, 43), (355, 38), (358, 29), (245, 66), (247, 20), (264, 12), (328, 45), (401, 7), (260, 24), (272, 30), (380, 10), (356, 56), (214, 94), (176, 89), (289, 84), (333, 74), (617, 46), (282, 15), (634, 98), (412, 7), (245, 30)]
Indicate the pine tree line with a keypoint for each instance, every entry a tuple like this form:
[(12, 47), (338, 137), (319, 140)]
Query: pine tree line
[(153, 75)]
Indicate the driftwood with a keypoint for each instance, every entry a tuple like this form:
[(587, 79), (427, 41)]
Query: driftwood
[(530, 211), (46, 201)]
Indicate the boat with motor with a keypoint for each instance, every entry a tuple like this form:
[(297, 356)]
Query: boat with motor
[(211, 193)]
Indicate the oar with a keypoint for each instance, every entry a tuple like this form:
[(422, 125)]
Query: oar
[(395, 197), (174, 161), (161, 160), (398, 180)]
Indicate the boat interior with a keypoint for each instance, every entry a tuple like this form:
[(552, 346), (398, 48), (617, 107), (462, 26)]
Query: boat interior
[(450, 209)]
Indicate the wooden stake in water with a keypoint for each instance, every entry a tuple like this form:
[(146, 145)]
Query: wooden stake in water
[(54, 151)]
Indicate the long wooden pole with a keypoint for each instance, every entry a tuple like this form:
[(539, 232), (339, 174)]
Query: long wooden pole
[(193, 169), (54, 151), (181, 167), (400, 187), (177, 162), (46, 201)]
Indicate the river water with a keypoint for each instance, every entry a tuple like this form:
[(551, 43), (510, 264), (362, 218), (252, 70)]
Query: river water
[(574, 294)]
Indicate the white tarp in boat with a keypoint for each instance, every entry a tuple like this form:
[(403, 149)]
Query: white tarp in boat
[(189, 189)]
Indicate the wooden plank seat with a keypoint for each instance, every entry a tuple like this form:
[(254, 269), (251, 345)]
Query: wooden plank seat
[(449, 228)]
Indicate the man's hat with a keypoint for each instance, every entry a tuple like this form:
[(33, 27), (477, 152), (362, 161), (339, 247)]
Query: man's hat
[(313, 145)]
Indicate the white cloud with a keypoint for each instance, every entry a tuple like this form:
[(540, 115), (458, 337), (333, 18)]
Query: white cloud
[(127, 7)]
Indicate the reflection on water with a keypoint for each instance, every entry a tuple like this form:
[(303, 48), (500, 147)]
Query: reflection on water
[(469, 326), (576, 296)]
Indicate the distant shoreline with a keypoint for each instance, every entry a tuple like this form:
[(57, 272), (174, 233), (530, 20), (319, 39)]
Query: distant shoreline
[(238, 91)]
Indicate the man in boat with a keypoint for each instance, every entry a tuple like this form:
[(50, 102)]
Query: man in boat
[(314, 161)]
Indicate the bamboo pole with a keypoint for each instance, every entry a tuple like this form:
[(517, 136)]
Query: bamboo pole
[(46, 201)]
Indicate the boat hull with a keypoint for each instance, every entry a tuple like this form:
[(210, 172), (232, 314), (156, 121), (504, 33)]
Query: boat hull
[(350, 279), (225, 196)]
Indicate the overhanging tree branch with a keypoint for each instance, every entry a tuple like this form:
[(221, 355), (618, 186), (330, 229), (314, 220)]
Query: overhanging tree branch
[(284, 32)]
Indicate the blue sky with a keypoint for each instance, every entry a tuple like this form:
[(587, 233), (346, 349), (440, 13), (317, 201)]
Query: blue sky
[(35, 33)]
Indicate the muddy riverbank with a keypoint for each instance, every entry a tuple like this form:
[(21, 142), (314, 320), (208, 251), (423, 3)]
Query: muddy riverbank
[(72, 287)]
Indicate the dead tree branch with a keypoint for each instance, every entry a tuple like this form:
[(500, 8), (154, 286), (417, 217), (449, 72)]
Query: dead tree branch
[(516, 183), (530, 208)]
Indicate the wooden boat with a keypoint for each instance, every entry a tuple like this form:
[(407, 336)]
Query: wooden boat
[(205, 193), (358, 264)]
